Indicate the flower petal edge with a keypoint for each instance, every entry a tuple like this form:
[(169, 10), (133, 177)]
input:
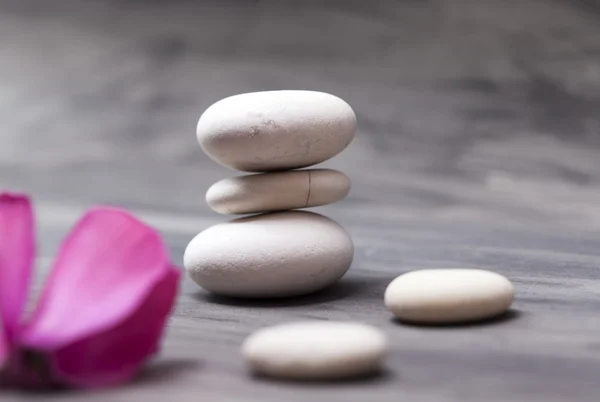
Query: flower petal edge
[(117, 355), (17, 256), (106, 266)]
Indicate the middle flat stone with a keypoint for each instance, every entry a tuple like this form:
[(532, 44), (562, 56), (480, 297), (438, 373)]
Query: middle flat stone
[(269, 192)]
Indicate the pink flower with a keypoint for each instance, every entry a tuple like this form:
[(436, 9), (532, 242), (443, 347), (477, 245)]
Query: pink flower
[(104, 307)]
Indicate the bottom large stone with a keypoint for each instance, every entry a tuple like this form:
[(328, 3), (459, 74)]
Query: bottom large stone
[(271, 255)]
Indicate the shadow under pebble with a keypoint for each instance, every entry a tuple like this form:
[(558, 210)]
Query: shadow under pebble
[(358, 289), (509, 316), (383, 375)]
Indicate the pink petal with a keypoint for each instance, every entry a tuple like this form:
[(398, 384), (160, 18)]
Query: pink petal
[(107, 268), (116, 355), (5, 350), (17, 253)]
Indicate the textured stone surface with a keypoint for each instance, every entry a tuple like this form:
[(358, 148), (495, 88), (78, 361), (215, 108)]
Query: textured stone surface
[(278, 191), (276, 130), (280, 254)]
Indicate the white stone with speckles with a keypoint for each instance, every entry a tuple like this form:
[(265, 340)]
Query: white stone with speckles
[(276, 130), (271, 255)]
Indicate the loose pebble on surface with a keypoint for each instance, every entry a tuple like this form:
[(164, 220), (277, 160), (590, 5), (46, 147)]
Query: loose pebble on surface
[(445, 296), (315, 350)]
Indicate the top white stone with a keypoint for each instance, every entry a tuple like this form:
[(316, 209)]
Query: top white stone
[(276, 130)]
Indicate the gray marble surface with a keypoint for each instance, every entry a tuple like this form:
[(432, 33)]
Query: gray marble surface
[(478, 145)]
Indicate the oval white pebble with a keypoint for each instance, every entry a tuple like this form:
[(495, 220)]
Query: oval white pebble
[(315, 350), (440, 296), (276, 130), (277, 191), (271, 255)]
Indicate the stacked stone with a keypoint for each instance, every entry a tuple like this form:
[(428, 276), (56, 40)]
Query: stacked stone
[(278, 250)]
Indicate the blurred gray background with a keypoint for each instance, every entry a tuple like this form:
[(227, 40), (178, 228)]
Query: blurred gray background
[(478, 145)]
